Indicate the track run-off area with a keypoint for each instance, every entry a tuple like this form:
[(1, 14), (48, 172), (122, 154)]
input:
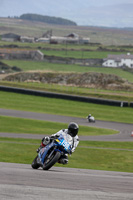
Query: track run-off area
[(20, 181)]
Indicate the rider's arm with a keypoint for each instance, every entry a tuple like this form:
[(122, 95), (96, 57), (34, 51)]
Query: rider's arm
[(56, 135), (75, 143)]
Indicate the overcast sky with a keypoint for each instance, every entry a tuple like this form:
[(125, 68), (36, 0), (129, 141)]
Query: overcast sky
[(118, 13)]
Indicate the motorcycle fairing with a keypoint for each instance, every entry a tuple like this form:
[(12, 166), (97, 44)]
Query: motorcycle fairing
[(63, 145), (44, 151)]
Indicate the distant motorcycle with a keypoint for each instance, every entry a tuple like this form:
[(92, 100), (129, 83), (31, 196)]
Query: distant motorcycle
[(51, 153), (90, 118)]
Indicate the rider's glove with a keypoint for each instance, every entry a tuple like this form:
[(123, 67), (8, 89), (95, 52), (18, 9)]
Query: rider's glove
[(53, 137)]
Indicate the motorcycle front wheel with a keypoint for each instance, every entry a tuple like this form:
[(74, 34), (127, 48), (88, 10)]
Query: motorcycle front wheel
[(34, 164), (48, 163)]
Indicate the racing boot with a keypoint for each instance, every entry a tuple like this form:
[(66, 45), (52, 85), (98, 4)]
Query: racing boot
[(63, 160)]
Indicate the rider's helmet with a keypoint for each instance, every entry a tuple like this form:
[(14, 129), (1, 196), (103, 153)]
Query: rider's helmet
[(73, 129)]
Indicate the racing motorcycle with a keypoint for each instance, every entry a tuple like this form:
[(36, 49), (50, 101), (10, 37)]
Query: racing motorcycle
[(90, 118), (51, 153)]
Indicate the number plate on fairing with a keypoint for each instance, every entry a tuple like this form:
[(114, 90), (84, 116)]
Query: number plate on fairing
[(63, 143)]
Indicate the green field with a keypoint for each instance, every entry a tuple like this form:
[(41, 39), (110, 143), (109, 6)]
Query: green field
[(65, 107), (78, 54), (103, 158), (30, 126), (36, 66)]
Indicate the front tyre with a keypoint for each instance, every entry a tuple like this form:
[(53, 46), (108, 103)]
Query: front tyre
[(48, 164), (34, 164)]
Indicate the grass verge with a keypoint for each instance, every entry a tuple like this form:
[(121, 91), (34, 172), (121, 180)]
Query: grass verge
[(20, 125), (23, 151), (65, 107)]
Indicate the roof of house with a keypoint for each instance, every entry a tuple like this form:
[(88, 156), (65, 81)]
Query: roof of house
[(10, 35), (119, 57), (73, 35)]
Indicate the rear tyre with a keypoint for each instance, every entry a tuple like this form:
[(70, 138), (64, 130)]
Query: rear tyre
[(48, 164), (34, 164)]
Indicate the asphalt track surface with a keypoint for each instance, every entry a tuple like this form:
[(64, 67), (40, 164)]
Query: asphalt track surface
[(124, 130), (19, 181)]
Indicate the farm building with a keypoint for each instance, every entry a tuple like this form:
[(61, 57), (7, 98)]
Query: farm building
[(10, 37), (63, 40), (84, 40), (79, 39), (27, 39), (72, 38), (21, 54), (119, 60)]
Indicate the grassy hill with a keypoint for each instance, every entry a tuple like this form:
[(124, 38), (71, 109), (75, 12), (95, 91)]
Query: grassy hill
[(113, 41), (103, 35)]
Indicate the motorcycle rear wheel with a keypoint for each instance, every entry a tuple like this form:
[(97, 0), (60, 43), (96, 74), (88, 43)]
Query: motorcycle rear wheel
[(48, 165)]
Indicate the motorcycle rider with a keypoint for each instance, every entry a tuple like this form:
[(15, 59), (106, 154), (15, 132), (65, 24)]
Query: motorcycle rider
[(90, 118), (69, 134)]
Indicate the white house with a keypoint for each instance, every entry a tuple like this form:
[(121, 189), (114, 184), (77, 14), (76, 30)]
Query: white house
[(119, 60)]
